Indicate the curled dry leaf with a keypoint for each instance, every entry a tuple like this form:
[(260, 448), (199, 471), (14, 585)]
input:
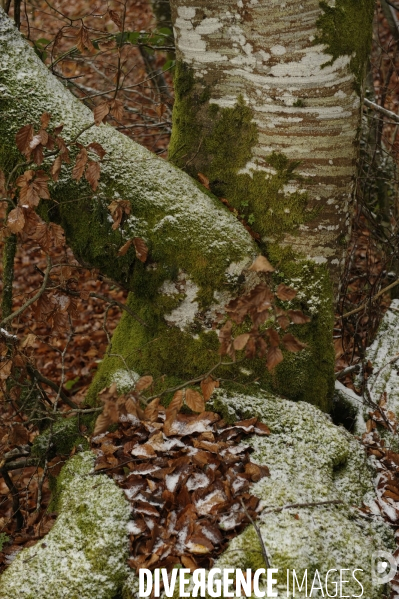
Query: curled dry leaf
[(115, 18), (261, 264), (273, 337), (118, 208), (292, 343), (100, 112), (204, 180), (123, 250), (194, 401), (284, 322), (92, 174), (143, 383), (285, 293), (81, 161), (83, 40), (208, 386), (141, 249), (56, 168), (29, 340), (274, 357)]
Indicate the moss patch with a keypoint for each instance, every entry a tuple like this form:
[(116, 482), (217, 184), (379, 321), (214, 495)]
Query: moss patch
[(84, 554), (219, 142), (345, 29)]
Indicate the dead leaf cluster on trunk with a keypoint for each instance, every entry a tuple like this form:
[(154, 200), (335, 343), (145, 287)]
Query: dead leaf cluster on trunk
[(260, 306)]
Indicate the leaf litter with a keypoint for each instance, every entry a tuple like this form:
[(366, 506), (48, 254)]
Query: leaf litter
[(185, 476)]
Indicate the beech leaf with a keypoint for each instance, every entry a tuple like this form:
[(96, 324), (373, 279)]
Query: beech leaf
[(100, 112), (292, 343), (177, 401), (274, 357), (16, 220), (261, 264), (141, 249), (208, 386), (241, 341), (195, 401), (123, 250), (298, 317), (92, 174), (143, 383), (23, 139), (78, 169), (97, 148), (285, 293)]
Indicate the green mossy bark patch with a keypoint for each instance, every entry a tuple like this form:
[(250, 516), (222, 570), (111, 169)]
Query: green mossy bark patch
[(346, 29), (219, 143)]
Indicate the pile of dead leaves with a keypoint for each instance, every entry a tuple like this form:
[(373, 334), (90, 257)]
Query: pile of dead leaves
[(187, 478)]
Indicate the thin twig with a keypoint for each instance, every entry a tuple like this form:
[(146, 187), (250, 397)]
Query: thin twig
[(257, 530), (376, 296), (388, 113), (33, 298), (308, 504)]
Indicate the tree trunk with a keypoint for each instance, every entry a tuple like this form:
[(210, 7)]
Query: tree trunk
[(198, 250), (267, 108)]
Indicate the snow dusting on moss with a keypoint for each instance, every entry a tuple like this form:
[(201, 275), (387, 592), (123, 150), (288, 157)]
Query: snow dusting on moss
[(84, 555)]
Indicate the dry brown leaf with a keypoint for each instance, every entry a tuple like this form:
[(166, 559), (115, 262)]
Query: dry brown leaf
[(103, 423), (16, 220), (123, 250), (204, 180), (23, 138), (241, 341), (274, 357), (118, 208), (57, 234), (143, 383), (29, 340), (45, 120), (261, 264), (273, 337), (116, 109), (115, 18), (141, 249), (292, 343), (298, 317), (2, 184), (97, 148), (100, 112), (194, 401), (285, 293), (5, 369), (284, 322), (92, 173), (177, 401), (83, 40), (78, 169), (56, 168), (151, 411), (208, 386)]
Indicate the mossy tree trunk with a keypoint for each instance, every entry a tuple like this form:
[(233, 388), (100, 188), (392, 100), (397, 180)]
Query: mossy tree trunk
[(268, 104), (198, 251)]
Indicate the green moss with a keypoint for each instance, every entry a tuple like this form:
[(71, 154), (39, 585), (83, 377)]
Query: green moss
[(345, 29), (219, 142), (60, 438)]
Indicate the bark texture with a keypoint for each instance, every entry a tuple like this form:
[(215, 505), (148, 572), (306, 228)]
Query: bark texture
[(268, 109)]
